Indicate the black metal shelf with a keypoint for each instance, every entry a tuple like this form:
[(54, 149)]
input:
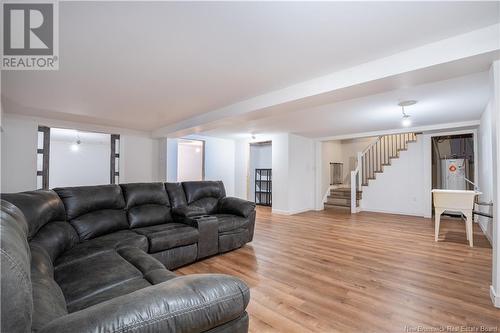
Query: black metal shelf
[(263, 187)]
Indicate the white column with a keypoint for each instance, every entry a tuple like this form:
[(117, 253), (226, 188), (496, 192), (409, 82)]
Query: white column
[(495, 99)]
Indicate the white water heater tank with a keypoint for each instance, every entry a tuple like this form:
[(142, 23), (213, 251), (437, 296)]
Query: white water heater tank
[(454, 172)]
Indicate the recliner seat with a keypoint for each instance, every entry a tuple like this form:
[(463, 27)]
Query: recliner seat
[(235, 217), (97, 247)]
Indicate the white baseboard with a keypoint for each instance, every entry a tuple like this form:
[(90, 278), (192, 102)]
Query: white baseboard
[(364, 209), (290, 212), (494, 297)]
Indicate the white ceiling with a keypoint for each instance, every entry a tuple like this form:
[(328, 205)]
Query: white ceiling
[(454, 100), (143, 65)]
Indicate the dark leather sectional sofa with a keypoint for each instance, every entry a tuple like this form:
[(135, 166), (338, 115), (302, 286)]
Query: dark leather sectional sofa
[(97, 259)]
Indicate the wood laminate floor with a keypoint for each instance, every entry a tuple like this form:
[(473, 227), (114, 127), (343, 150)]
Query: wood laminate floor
[(330, 271)]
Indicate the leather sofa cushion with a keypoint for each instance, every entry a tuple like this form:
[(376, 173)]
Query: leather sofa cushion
[(146, 215), (147, 204), (85, 199), (94, 210), (194, 303), (144, 193), (39, 208), (94, 274), (101, 244), (176, 194), (166, 236), (99, 222), (150, 271), (197, 190), (17, 299), (228, 222), (56, 238)]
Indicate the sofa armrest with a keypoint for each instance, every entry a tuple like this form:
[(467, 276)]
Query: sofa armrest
[(192, 303), (208, 227), (187, 211), (236, 206)]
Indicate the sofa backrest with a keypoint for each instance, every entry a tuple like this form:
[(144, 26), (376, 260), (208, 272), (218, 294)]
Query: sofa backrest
[(204, 195), (94, 210), (146, 204), (16, 290), (46, 219), (39, 208), (54, 236)]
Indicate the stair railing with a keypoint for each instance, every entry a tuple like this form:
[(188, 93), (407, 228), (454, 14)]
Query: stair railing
[(356, 177), (372, 160)]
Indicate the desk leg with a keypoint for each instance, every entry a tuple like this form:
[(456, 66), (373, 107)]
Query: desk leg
[(437, 221), (469, 226)]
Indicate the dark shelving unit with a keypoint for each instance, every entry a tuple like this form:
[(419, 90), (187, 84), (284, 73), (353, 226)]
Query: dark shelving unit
[(263, 187)]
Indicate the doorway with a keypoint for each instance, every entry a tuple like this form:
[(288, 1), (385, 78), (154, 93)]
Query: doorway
[(190, 160), (260, 173), (453, 162)]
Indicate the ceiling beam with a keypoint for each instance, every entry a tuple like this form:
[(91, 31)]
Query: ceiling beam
[(428, 128), (462, 46)]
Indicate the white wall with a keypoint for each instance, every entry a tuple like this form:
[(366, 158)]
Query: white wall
[(172, 154), (400, 188), (241, 165), (281, 184), (485, 165), (260, 158), (139, 159), (90, 165), (301, 174), (18, 157), (139, 153)]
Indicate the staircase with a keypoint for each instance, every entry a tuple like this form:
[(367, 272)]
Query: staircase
[(370, 162), (341, 197)]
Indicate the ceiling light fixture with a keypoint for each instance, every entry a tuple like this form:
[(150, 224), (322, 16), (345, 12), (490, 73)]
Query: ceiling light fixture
[(406, 119), (76, 146)]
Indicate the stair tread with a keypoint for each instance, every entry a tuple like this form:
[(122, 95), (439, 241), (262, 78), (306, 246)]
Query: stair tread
[(343, 189), (338, 205), (332, 197)]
